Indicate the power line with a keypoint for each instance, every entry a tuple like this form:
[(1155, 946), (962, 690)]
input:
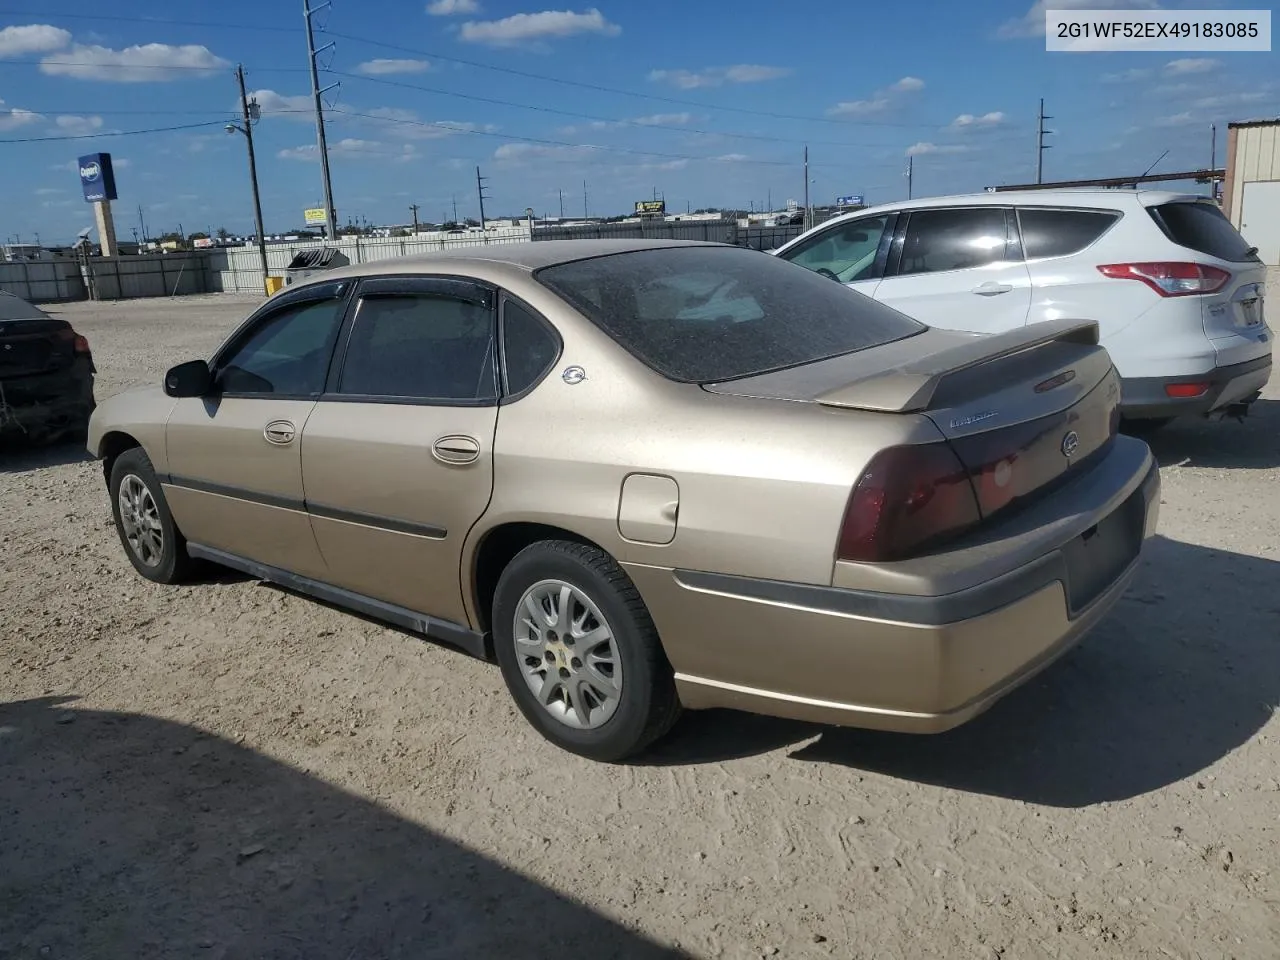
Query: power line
[(256, 27), (140, 66), (120, 133)]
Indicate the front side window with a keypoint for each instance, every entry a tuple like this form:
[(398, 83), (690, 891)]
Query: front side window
[(287, 353), (705, 314), (957, 239), (846, 253), (420, 347)]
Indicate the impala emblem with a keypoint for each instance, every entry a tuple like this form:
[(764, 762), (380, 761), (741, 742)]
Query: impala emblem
[(1070, 443), (573, 375)]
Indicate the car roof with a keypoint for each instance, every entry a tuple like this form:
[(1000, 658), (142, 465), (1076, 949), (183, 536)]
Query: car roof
[(523, 256), (1069, 197)]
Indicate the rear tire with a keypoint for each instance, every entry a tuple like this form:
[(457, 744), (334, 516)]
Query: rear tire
[(1144, 428), (150, 538), (579, 652)]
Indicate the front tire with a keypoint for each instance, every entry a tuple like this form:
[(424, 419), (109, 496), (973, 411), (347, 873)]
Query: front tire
[(579, 652), (150, 538)]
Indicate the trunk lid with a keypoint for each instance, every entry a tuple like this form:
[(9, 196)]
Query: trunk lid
[(35, 346), (1019, 409)]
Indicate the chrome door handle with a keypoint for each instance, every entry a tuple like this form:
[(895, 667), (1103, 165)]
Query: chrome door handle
[(279, 432), (991, 289), (456, 449)]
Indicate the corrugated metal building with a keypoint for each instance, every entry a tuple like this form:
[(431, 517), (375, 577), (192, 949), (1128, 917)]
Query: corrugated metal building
[(1251, 189)]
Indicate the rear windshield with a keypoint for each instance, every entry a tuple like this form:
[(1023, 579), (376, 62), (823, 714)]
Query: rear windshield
[(702, 314), (1202, 227)]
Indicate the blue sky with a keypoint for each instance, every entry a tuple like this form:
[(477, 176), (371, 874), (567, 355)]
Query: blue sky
[(709, 103)]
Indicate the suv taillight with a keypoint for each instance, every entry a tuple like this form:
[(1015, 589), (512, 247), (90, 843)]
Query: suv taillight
[(907, 497), (1170, 279)]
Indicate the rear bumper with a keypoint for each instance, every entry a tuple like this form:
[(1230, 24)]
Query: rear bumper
[(1145, 398), (895, 662), (46, 403)]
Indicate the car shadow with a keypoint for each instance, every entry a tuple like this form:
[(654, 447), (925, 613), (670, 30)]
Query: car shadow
[(18, 456), (1255, 443), (1184, 670), (132, 836)]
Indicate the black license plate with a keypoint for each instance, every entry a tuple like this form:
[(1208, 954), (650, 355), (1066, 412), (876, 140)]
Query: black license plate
[(1098, 556)]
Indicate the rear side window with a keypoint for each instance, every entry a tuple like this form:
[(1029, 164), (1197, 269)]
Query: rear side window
[(1060, 233), (528, 347), (1202, 227), (958, 239), (421, 347), (702, 314)]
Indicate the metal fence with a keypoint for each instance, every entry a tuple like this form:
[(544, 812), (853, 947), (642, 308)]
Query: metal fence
[(239, 270), (43, 281), (107, 278)]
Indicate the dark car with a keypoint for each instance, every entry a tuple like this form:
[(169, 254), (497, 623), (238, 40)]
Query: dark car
[(46, 375)]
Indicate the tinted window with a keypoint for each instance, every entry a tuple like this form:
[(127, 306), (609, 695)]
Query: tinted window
[(420, 347), (1202, 227), (846, 252), (1058, 233), (528, 347), (286, 353), (959, 239), (702, 314)]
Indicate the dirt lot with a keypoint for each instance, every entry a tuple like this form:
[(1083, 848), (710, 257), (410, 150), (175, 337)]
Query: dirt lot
[(227, 770)]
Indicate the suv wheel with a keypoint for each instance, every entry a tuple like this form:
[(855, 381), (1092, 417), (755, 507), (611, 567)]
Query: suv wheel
[(579, 651)]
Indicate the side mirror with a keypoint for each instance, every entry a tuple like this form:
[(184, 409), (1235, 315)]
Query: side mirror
[(190, 379)]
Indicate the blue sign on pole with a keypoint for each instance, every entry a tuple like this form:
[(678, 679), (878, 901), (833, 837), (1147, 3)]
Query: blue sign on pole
[(97, 178), (854, 200)]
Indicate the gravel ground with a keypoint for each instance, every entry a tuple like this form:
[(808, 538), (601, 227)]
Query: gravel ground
[(227, 770)]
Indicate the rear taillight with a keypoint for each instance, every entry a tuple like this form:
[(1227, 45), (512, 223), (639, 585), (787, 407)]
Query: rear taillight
[(1170, 279), (81, 344), (78, 343), (907, 497), (1185, 391)]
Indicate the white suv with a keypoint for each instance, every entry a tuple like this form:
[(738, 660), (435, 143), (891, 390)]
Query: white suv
[(1176, 291)]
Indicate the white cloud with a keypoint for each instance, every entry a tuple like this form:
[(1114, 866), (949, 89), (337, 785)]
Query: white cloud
[(117, 163), (524, 27), (1179, 68), (517, 152), (859, 108), (908, 85), (731, 157), (353, 148), (663, 119), (1032, 23), (33, 38), (718, 76), (1127, 76), (922, 148), (447, 8), (1230, 100), (49, 191), (137, 64), (1177, 120), (78, 126), (380, 67), (967, 121), (406, 125), (300, 107), (17, 117)]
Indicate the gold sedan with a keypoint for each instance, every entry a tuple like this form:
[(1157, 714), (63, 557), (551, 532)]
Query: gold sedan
[(643, 475)]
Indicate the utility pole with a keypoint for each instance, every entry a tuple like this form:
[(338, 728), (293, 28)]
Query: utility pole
[(562, 203), (769, 194), (1213, 160), (585, 215), (484, 230), (249, 112), (330, 216), (142, 221), (808, 215), (1041, 146), (910, 173), (455, 209), (413, 207)]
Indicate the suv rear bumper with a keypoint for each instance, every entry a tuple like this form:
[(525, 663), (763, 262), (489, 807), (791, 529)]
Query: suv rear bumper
[(1145, 398)]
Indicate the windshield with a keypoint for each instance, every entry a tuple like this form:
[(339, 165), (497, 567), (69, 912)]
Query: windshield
[(703, 314)]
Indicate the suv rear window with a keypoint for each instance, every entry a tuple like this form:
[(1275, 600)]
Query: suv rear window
[(1201, 226), (1060, 233), (703, 314)]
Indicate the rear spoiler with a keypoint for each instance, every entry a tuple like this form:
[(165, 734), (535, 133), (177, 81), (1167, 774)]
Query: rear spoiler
[(910, 386)]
